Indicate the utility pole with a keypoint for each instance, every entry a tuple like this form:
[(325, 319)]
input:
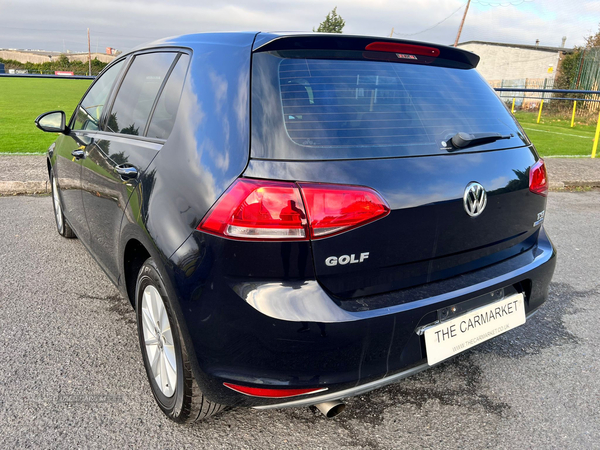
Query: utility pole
[(90, 53), (392, 33), (462, 23)]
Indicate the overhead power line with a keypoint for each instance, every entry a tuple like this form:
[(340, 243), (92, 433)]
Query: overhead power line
[(431, 27), (502, 4), (479, 2)]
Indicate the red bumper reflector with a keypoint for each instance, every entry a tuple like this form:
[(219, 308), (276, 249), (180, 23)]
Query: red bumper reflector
[(538, 178), (411, 49), (272, 393)]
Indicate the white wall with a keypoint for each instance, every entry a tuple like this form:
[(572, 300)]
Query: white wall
[(509, 63)]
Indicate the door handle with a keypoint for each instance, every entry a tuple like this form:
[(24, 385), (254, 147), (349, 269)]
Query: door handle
[(78, 154), (127, 172)]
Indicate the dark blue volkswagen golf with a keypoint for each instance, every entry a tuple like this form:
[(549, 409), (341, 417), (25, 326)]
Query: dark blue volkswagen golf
[(300, 218)]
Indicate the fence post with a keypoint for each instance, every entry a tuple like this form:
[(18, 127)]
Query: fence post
[(513, 106), (544, 94), (573, 116), (595, 147), (540, 112)]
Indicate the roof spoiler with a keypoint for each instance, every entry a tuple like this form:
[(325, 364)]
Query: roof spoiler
[(265, 42)]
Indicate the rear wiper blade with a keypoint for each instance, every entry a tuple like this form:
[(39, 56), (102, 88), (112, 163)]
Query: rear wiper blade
[(462, 140)]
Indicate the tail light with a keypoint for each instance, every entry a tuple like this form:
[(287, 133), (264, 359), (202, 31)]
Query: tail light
[(272, 210), (272, 393), (538, 178), (333, 208), (252, 209)]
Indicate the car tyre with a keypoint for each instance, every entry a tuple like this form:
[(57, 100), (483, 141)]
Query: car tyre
[(63, 228), (164, 352)]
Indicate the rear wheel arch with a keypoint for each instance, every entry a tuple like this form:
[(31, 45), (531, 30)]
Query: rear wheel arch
[(134, 256), (136, 249), (185, 402)]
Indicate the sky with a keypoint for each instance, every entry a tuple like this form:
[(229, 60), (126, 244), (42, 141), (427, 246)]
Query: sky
[(60, 25)]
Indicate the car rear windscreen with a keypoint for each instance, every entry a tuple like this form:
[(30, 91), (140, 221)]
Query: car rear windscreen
[(316, 108)]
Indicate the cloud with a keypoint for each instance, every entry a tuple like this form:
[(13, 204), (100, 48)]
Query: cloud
[(59, 24)]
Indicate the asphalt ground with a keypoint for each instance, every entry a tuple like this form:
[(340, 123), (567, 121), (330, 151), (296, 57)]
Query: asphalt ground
[(71, 373)]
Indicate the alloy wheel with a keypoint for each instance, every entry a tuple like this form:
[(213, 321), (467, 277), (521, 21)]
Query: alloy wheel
[(158, 340), (57, 207)]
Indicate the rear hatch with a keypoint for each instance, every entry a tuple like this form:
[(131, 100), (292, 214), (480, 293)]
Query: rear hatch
[(383, 115)]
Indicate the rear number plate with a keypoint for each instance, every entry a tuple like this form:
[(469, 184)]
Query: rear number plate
[(454, 336)]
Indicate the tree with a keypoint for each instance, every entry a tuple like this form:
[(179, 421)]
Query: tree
[(567, 72), (63, 62), (60, 63), (569, 66), (593, 40), (333, 23)]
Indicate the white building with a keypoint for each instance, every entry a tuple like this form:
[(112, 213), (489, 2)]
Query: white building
[(515, 61)]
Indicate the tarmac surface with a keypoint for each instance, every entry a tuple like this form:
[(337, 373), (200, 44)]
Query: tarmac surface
[(71, 373)]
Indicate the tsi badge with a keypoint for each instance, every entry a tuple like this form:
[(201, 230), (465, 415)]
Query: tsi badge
[(346, 259), (540, 218)]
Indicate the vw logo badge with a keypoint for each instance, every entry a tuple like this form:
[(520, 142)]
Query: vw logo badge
[(475, 199)]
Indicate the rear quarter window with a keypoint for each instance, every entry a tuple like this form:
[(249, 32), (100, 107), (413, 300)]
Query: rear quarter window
[(313, 108), (163, 118)]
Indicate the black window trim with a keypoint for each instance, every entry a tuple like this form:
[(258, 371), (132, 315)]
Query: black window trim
[(117, 85), (118, 136)]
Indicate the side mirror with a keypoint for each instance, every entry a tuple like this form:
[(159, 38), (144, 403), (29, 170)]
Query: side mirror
[(52, 122)]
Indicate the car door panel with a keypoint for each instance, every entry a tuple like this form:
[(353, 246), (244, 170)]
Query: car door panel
[(116, 163), (106, 193)]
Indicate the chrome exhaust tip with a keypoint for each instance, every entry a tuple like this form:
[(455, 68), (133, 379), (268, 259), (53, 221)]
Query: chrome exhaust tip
[(331, 409)]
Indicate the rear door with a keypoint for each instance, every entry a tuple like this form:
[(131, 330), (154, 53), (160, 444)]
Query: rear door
[(140, 119), (385, 121)]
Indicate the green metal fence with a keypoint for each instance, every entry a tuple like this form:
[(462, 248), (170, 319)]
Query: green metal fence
[(588, 74)]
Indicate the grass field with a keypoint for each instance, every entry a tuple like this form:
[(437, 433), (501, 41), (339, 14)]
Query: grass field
[(553, 136), (23, 99)]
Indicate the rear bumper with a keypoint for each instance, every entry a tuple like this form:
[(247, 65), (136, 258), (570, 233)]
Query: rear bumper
[(306, 301), (293, 335), (352, 391), (346, 393)]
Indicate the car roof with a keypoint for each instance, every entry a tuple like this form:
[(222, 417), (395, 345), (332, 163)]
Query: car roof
[(264, 40), (191, 40)]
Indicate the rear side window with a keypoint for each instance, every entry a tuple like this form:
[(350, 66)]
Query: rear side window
[(88, 112), (323, 108), (138, 91), (163, 117)]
